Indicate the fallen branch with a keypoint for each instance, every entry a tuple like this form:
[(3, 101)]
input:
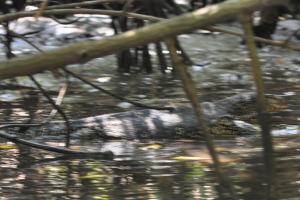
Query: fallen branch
[(95, 86), (86, 51), (14, 16)]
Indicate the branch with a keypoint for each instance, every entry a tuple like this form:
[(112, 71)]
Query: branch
[(85, 51), (118, 96), (15, 139), (278, 43), (84, 4), (263, 115), (191, 92), (93, 85)]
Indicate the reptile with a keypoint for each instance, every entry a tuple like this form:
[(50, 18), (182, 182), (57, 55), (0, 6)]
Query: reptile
[(229, 116)]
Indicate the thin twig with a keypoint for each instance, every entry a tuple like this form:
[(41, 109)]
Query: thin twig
[(12, 125), (42, 8), (84, 4), (58, 102), (14, 34), (287, 41), (117, 96), (279, 43), (65, 22), (60, 111), (127, 5)]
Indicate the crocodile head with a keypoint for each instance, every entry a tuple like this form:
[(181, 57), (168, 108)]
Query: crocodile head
[(238, 115), (245, 104), (228, 126)]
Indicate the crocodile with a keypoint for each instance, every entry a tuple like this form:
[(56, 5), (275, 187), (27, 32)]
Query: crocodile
[(229, 116)]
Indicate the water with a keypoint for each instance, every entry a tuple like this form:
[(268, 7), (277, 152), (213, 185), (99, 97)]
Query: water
[(143, 170), (149, 169)]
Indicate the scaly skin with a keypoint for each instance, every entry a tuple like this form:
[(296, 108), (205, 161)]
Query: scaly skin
[(225, 117)]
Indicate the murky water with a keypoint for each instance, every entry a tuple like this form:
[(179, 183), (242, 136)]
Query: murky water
[(161, 169)]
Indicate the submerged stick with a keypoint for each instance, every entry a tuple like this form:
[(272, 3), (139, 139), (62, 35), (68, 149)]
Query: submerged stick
[(15, 139)]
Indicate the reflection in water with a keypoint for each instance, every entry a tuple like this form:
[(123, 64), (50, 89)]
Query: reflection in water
[(146, 174)]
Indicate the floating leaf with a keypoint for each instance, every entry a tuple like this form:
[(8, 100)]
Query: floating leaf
[(190, 158), (151, 146), (281, 62), (7, 146)]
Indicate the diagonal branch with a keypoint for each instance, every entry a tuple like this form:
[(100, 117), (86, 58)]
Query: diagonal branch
[(191, 92), (85, 51)]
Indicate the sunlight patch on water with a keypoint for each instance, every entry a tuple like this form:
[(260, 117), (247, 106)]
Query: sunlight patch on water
[(8, 97), (288, 130)]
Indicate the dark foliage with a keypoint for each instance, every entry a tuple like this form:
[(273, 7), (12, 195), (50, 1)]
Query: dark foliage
[(7, 6)]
